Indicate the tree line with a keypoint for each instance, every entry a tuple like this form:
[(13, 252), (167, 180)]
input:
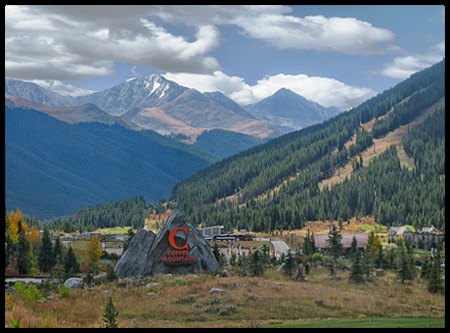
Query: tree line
[(119, 213), (28, 252)]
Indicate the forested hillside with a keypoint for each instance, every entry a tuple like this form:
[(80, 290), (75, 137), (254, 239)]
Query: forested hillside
[(393, 194), (54, 169), (119, 213)]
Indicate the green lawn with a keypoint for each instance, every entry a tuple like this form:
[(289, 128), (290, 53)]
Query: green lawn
[(114, 231), (369, 323)]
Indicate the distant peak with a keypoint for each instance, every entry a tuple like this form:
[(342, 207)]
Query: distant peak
[(285, 91), (154, 76), (151, 77)]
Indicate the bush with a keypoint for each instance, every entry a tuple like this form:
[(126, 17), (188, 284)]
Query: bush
[(32, 293), (317, 257), (19, 286), (8, 303), (46, 286), (64, 291), (111, 276)]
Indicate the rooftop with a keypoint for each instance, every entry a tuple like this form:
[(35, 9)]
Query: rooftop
[(361, 240)]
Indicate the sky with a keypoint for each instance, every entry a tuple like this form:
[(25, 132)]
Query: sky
[(337, 55)]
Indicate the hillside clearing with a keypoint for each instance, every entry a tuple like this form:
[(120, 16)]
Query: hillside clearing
[(381, 144)]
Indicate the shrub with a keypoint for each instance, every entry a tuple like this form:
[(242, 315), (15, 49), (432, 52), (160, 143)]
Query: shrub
[(64, 291), (317, 257), (32, 293), (8, 303), (19, 286), (111, 276)]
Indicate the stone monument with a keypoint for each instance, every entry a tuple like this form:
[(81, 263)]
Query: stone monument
[(177, 248)]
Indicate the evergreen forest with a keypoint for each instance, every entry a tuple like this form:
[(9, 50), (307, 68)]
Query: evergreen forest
[(119, 213), (297, 162)]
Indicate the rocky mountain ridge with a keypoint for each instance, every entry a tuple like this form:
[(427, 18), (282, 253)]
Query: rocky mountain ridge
[(153, 102)]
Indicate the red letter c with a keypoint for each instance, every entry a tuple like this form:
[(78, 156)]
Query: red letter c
[(172, 239)]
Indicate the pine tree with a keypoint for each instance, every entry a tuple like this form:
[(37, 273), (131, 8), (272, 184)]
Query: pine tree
[(256, 265), (58, 270), (405, 265), (130, 234), (57, 250), (109, 318), (425, 268), (218, 255), (354, 252), (335, 246), (46, 259), (289, 264), (242, 264), (307, 244), (356, 273), (70, 262), (24, 253), (434, 280)]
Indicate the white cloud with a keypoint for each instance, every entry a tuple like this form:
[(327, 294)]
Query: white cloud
[(76, 42), (218, 81), (81, 42), (319, 33), (272, 25), (402, 67), (325, 91), (215, 14)]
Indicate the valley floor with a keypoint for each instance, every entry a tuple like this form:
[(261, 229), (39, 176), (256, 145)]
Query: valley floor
[(187, 301)]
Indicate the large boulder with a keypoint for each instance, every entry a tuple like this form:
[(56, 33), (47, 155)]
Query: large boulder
[(177, 248), (74, 283)]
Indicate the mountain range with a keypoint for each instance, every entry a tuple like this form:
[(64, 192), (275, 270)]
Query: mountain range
[(63, 153), (153, 102)]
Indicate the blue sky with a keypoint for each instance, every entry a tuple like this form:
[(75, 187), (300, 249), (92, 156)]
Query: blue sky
[(335, 55)]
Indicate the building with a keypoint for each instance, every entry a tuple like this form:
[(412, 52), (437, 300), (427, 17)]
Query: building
[(347, 239), (211, 231), (426, 239), (395, 232)]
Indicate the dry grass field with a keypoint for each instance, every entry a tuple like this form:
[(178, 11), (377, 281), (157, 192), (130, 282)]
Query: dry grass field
[(185, 301)]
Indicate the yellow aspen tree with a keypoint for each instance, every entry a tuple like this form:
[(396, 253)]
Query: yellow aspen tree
[(94, 252), (14, 220), (33, 237)]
